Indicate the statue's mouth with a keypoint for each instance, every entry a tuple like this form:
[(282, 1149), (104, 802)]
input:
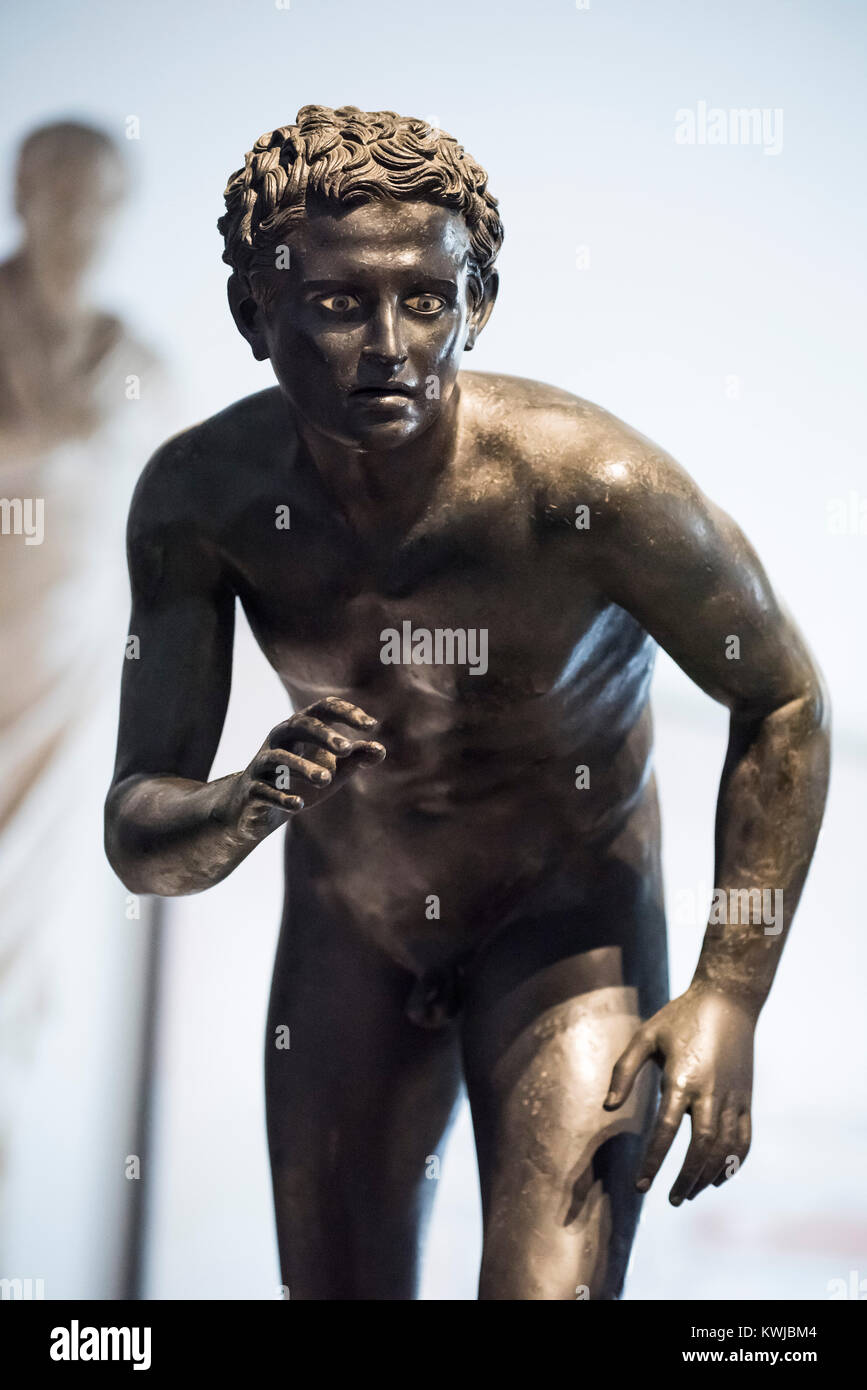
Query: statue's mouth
[(390, 388)]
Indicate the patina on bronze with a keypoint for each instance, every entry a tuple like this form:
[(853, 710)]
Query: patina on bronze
[(487, 901)]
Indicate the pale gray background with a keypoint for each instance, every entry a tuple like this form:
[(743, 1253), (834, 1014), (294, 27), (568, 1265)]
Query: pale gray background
[(704, 264)]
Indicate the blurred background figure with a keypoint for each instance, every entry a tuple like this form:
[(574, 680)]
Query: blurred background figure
[(76, 427)]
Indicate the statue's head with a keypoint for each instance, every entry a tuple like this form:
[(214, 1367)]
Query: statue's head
[(362, 246), (69, 183)]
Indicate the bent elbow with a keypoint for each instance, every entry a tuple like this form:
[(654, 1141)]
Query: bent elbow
[(125, 863)]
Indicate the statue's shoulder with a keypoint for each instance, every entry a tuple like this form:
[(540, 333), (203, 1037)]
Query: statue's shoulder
[(198, 471), (246, 429), (533, 413), (561, 438), (567, 452), (513, 400)]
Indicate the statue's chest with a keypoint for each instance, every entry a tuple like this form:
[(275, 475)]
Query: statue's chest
[(467, 600)]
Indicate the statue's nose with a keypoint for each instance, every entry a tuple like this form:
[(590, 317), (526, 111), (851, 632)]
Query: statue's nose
[(384, 344)]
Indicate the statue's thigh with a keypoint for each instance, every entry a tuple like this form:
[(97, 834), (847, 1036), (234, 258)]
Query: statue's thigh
[(557, 1171), (355, 1103)]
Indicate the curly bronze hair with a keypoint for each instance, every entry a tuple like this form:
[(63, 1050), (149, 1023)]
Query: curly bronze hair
[(349, 157)]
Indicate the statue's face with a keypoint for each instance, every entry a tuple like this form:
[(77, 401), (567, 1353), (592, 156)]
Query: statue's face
[(68, 215), (369, 320)]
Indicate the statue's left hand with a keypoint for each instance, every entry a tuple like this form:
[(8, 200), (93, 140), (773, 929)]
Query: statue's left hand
[(704, 1042)]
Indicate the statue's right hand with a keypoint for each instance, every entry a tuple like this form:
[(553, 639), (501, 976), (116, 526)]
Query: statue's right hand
[(282, 779)]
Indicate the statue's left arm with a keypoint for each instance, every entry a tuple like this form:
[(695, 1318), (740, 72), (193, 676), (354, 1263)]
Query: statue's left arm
[(687, 573)]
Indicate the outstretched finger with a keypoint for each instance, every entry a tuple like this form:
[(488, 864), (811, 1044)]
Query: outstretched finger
[(332, 707), (263, 791), (671, 1111), (705, 1123), (368, 751), (362, 754), (721, 1153), (735, 1159), (627, 1067), (279, 760), (304, 728)]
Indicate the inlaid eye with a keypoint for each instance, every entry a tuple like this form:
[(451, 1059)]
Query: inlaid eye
[(339, 303), (425, 303)]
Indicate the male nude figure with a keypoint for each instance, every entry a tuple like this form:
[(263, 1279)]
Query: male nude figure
[(468, 906)]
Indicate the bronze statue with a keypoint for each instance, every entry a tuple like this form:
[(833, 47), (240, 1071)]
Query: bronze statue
[(475, 569)]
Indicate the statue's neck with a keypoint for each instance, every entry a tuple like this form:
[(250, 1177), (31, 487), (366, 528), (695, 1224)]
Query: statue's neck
[(387, 483), (58, 301)]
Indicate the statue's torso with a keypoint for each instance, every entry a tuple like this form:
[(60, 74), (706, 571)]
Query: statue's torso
[(499, 781)]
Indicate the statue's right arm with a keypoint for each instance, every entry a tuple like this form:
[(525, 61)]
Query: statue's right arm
[(169, 830)]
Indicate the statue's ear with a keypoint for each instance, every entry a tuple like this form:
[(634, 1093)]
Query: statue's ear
[(482, 310), (247, 313)]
